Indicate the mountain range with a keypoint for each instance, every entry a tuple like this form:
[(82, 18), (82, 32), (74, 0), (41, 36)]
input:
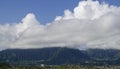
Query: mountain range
[(60, 55)]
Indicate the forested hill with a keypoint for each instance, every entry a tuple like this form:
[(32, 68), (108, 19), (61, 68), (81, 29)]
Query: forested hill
[(58, 55)]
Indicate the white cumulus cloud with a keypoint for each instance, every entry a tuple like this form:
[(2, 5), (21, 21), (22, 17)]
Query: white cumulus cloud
[(90, 25)]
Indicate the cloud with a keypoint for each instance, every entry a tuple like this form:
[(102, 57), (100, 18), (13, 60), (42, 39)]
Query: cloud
[(90, 25)]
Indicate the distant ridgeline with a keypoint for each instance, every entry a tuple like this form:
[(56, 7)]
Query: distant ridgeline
[(60, 56)]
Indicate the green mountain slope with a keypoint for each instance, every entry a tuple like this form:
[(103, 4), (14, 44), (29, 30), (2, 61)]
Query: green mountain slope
[(58, 55)]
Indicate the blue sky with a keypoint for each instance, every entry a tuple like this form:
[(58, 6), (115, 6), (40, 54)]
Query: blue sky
[(12, 11), (91, 25)]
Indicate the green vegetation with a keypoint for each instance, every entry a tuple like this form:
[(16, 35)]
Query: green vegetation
[(7, 66)]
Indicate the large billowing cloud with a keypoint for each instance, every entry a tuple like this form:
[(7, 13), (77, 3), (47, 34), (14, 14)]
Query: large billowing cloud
[(90, 25)]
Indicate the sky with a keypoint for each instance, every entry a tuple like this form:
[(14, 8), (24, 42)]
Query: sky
[(12, 11), (76, 24)]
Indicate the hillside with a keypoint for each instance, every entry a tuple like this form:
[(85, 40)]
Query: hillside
[(58, 55)]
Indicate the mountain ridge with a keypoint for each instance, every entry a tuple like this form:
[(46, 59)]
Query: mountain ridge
[(59, 55)]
